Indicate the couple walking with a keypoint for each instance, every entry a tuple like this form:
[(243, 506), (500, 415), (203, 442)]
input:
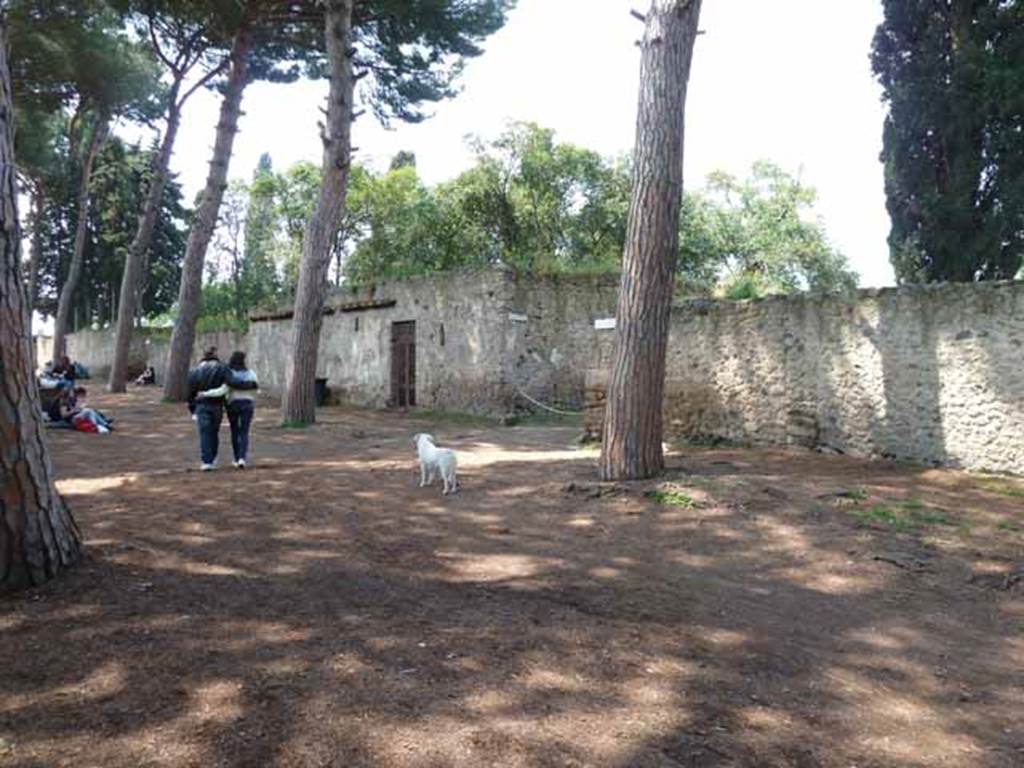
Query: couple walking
[(213, 388)]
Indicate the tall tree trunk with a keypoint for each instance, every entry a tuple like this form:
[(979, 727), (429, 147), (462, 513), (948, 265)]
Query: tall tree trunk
[(236, 279), (136, 257), (184, 335), (67, 291), (632, 439), (38, 535), (299, 404), (35, 257)]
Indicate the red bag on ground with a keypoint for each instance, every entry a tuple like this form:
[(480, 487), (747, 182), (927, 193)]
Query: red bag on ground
[(85, 425)]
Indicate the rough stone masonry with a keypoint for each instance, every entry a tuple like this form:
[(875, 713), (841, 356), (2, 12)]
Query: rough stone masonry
[(931, 374)]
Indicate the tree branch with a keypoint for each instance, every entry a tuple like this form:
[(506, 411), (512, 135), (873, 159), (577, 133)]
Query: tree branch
[(204, 80), (156, 44)]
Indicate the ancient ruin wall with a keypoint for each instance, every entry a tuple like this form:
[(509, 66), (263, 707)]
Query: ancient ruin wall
[(481, 338), (932, 374)]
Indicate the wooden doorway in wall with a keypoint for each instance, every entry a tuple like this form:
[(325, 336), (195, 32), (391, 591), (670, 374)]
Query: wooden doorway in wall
[(403, 364)]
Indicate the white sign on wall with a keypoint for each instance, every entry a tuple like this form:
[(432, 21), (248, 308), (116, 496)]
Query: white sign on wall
[(604, 324), (515, 317)]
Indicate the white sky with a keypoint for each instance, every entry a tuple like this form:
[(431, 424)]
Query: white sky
[(786, 80)]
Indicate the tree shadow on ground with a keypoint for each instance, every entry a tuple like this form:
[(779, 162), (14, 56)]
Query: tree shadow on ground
[(323, 610)]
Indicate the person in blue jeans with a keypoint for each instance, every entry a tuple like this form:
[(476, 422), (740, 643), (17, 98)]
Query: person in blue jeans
[(240, 406), (208, 386)]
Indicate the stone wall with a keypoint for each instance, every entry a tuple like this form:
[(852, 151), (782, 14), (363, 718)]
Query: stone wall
[(550, 334), (481, 336), (95, 349), (932, 374), (464, 371)]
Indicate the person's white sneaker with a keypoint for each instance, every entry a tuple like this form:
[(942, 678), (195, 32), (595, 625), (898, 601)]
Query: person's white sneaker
[(207, 467), (240, 463)]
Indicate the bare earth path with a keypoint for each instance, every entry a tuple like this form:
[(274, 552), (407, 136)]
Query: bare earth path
[(766, 608)]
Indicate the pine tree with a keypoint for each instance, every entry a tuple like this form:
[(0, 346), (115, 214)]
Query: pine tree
[(190, 42), (38, 535), (632, 439), (405, 53)]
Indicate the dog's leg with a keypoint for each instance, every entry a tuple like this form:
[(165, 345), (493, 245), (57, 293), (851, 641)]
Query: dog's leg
[(423, 474)]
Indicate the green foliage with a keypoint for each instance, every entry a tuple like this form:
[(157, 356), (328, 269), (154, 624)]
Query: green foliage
[(759, 236), (413, 50), (539, 207), (42, 148), (744, 286), (401, 229), (672, 497), (122, 173), (528, 202), (77, 53), (953, 79), (904, 516), (259, 274)]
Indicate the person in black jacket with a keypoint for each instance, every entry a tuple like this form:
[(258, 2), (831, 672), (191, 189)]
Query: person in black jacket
[(211, 373)]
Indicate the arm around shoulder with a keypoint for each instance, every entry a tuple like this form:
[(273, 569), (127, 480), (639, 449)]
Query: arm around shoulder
[(243, 380)]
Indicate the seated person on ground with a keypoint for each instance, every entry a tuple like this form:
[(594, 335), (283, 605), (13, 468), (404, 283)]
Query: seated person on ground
[(88, 419), (147, 377), (48, 379), (61, 407), (69, 410), (65, 369)]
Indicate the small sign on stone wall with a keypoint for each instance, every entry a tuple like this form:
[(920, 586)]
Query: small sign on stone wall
[(517, 317), (604, 324)]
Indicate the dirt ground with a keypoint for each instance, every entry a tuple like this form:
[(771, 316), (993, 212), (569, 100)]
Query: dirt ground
[(753, 608)]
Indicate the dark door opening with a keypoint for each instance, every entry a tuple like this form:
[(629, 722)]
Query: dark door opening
[(403, 364)]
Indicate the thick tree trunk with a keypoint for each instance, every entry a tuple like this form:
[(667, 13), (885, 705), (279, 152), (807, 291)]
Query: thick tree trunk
[(139, 248), (632, 439), (38, 536), (176, 379), (67, 291), (299, 405)]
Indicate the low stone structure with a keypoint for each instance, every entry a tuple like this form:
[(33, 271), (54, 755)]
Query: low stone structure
[(473, 341), (479, 338), (932, 374), (149, 346)]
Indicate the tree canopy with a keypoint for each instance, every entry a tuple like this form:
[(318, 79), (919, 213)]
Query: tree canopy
[(758, 236), (536, 205), (122, 174), (953, 80)]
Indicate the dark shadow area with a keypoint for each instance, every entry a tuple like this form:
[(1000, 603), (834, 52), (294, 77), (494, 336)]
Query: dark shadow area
[(321, 610), (912, 427)]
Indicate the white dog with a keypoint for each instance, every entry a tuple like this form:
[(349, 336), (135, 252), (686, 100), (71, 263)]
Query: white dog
[(435, 460)]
